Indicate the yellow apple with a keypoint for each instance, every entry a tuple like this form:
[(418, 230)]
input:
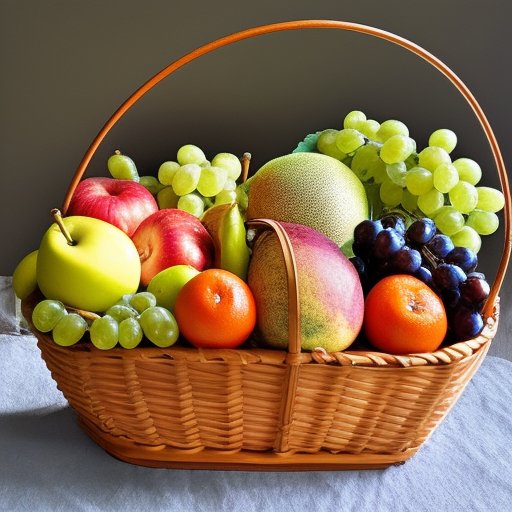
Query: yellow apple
[(93, 270)]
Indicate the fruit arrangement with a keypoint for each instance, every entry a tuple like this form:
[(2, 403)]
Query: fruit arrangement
[(378, 230)]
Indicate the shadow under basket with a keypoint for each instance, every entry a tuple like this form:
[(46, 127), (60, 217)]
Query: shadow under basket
[(266, 409)]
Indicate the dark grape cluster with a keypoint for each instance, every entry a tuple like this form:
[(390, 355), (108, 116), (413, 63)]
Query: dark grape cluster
[(386, 246)]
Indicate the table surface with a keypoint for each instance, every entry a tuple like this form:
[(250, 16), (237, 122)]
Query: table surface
[(48, 463)]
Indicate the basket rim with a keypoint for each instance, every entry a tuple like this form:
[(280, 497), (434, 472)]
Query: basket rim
[(446, 355)]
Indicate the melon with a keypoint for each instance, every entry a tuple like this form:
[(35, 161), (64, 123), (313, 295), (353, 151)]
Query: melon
[(330, 293), (311, 189)]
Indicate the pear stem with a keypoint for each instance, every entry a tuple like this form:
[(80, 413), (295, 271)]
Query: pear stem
[(246, 160), (57, 216)]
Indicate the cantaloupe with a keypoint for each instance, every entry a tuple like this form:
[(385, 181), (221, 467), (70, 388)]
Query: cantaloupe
[(311, 189)]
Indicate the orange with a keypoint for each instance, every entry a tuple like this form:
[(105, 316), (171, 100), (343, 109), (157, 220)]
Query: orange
[(215, 309), (403, 315)]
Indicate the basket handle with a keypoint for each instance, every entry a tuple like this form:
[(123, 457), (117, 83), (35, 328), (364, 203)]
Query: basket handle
[(327, 24)]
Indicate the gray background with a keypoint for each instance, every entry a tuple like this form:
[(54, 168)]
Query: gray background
[(67, 65)]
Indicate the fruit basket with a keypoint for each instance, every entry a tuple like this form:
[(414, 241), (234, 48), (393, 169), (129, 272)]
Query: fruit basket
[(268, 409)]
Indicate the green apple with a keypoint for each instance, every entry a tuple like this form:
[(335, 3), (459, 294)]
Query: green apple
[(166, 285), (24, 280), (87, 263)]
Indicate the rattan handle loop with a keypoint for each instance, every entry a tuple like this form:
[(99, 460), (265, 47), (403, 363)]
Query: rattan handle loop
[(327, 24), (294, 327)]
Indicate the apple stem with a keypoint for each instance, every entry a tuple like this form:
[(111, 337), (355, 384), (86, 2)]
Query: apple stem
[(57, 216), (246, 160)]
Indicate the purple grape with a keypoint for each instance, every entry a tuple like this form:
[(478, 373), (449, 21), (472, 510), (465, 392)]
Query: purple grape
[(478, 275), (395, 222), (474, 291), (421, 231), (387, 242), (406, 260), (440, 246), (450, 298), (447, 276), (364, 237), (424, 275), (466, 323), (463, 257)]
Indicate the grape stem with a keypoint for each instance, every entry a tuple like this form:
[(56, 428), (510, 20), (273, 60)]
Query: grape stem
[(117, 152), (57, 216), (246, 160), (86, 315)]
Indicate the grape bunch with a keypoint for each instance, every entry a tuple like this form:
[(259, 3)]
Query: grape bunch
[(190, 183), (386, 246), (426, 182), (125, 323)]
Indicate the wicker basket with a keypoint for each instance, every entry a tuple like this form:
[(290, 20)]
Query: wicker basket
[(265, 409)]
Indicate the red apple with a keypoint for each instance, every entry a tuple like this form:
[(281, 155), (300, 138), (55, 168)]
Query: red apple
[(123, 203), (171, 237)]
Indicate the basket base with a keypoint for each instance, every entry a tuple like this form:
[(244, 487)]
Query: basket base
[(209, 459)]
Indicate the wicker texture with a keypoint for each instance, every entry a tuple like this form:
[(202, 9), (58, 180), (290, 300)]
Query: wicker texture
[(264, 408)]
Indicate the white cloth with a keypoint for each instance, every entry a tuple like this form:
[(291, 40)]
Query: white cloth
[(48, 464)]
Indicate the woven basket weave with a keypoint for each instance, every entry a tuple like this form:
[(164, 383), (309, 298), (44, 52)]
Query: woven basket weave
[(265, 409)]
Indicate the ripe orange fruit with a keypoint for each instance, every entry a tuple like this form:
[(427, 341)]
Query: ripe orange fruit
[(215, 309), (403, 315)]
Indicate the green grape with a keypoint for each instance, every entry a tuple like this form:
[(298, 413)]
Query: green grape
[(69, 330), (122, 167), (104, 332), (167, 171), (186, 179), (120, 312), (443, 138), (230, 163), (142, 300), (151, 183), (431, 202), (409, 201), (348, 140), (211, 181), (125, 299), (369, 128), (467, 237), (463, 197), (159, 326), (130, 333), (229, 184), (412, 160), (391, 127), (445, 177), (448, 220), (396, 149), (390, 194), (190, 154), (167, 198), (432, 157), (484, 223), (365, 160), (490, 199), (326, 144), (379, 172), (225, 197), (47, 313), (192, 203), (353, 119), (397, 172), (468, 170), (418, 181)]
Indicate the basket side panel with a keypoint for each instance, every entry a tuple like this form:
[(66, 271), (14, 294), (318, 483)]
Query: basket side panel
[(374, 410)]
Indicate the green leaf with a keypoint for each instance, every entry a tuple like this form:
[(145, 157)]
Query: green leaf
[(308, 145)]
